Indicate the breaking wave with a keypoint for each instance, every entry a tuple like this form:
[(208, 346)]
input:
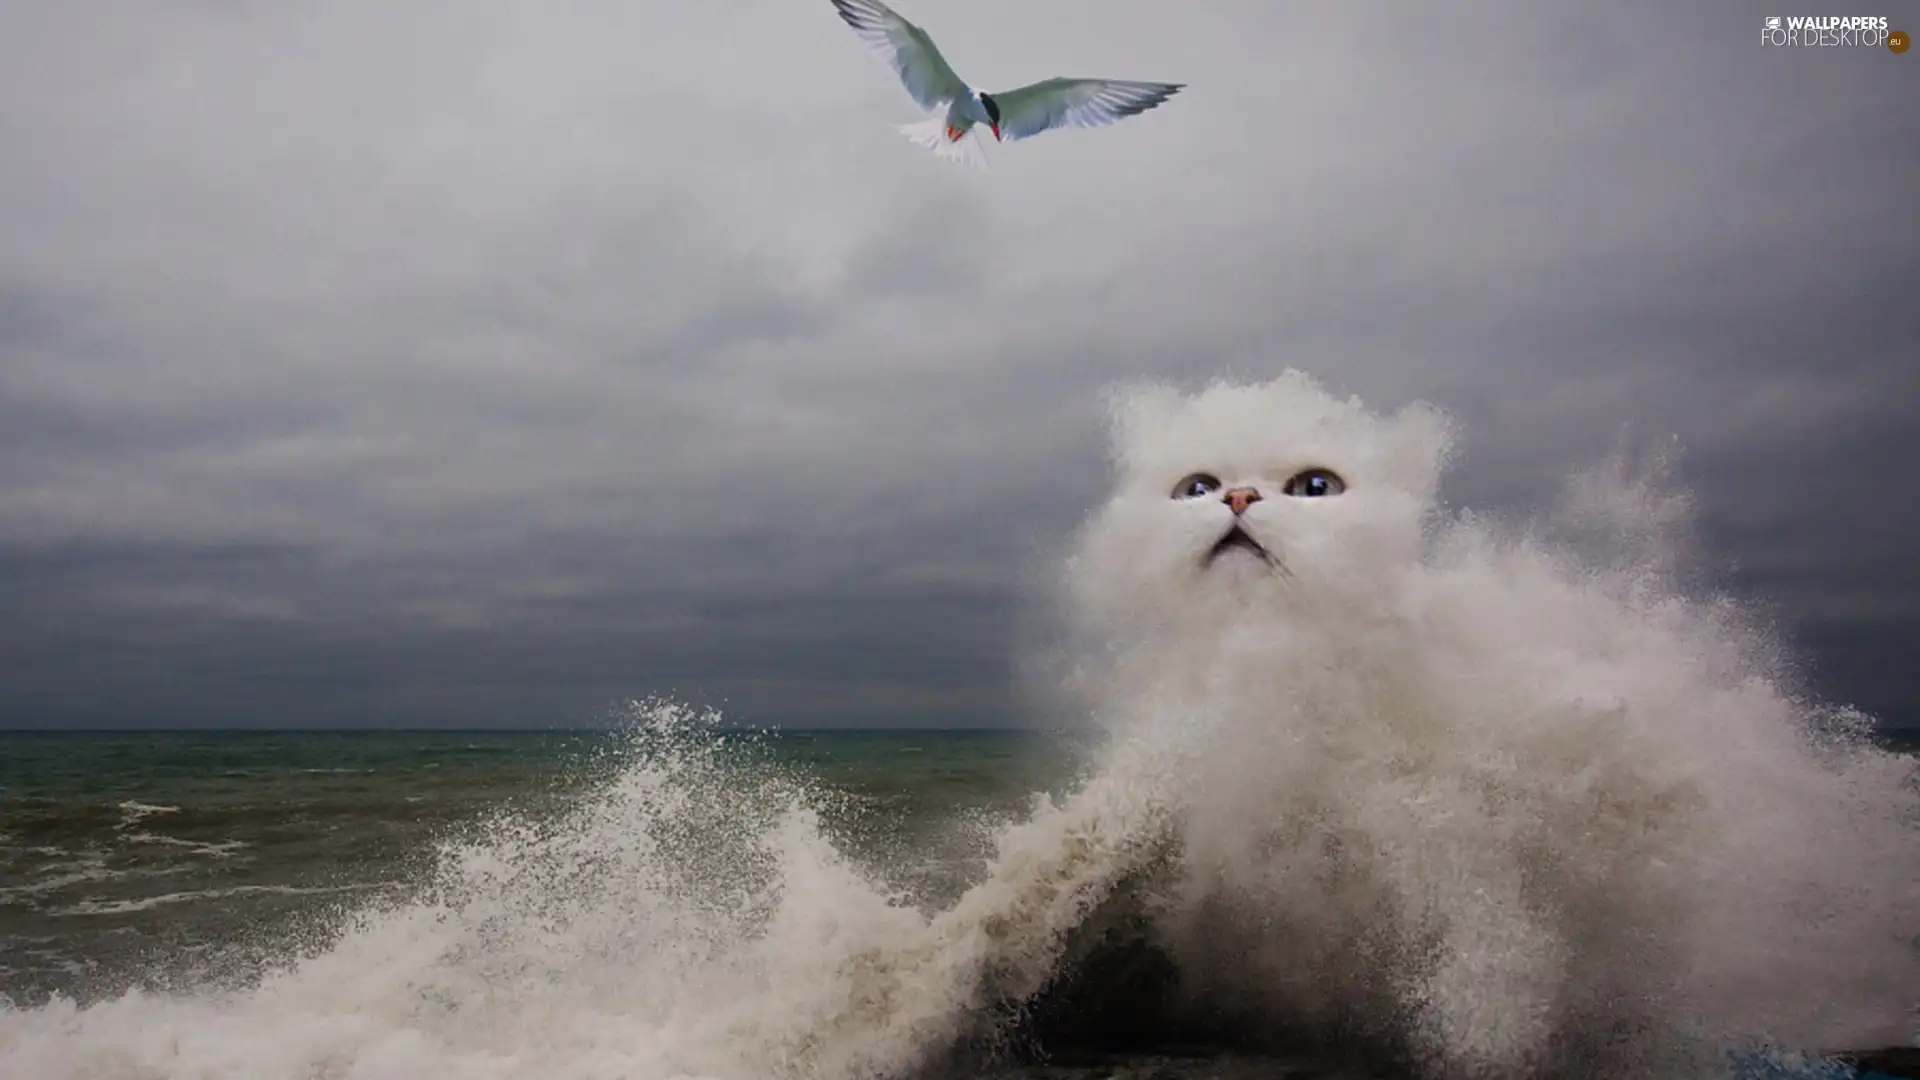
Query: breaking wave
[(1558, 814)]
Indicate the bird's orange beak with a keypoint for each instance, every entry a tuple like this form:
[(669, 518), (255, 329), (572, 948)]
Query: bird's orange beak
[(996, 131)]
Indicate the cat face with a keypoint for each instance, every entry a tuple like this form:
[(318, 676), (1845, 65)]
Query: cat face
[(1258, 494)]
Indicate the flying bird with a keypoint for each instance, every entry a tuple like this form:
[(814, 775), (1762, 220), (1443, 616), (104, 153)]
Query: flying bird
[(956, 108)]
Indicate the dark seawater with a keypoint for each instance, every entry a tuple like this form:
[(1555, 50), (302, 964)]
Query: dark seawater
[(188, 863), (153, 859)]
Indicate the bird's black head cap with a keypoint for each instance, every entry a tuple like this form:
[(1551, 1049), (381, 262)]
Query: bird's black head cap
[(993, 107)]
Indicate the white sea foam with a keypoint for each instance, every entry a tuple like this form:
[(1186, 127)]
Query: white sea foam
[(132, 812), (1499, 794), (1517, 796), (60, 875), (219, 849), (690, 920), (145, 903)]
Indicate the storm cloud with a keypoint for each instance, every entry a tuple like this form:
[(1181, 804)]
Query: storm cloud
[(483, 363)]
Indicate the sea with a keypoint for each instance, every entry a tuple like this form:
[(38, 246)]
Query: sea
[(162, 859), (605, 903)]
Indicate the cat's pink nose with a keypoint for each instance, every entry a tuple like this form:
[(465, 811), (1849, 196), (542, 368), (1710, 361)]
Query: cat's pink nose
[(1241, 498)]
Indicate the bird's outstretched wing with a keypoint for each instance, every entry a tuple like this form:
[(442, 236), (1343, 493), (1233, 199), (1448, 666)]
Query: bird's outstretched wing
[(1060, 103), (905, 47)]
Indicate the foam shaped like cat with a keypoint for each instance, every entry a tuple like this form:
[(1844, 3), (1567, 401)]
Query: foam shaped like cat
[(1160, 568), (1511, 804)]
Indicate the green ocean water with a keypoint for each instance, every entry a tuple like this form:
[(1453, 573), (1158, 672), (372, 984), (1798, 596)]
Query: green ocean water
[(193, 863), (158, 859)]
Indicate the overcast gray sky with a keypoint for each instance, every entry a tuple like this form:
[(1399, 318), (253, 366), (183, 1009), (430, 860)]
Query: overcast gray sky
[(465, 362)]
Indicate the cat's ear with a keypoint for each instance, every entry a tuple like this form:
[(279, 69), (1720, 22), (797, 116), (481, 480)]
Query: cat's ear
[(1419, 442), (1135, 407)]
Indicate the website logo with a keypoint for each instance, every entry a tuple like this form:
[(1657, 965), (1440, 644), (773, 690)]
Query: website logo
[(1832, 31)]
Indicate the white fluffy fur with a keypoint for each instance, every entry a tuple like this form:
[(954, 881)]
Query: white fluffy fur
[(1517, 810)]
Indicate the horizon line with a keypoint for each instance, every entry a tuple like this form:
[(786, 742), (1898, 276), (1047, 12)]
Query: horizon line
[(505, 730)]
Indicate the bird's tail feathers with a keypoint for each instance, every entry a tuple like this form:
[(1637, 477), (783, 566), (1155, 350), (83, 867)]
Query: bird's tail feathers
[(932, 134)]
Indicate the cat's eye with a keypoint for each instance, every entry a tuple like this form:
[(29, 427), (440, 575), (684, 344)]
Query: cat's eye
[(1313, 484), (1196, 485)]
